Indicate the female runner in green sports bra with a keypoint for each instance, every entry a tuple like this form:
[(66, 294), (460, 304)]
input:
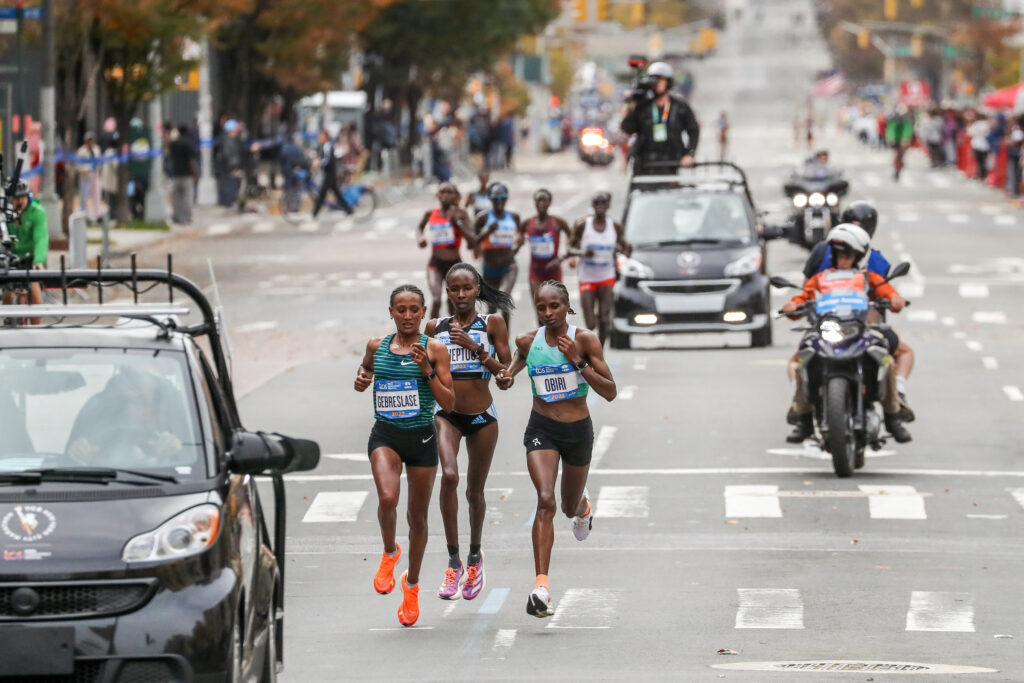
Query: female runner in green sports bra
[(409, 373), (564, 364)]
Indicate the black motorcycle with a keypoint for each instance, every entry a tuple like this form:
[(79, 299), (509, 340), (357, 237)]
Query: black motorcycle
[(843, 366), (815, 193)]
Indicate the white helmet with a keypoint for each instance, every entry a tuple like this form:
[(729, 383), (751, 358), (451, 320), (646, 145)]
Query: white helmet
[(661, 70), (851, 237)]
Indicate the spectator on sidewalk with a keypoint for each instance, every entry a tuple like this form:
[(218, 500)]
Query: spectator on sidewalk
[(183, 169), (950, 134), (978, 131), (929, 130), (230, 166), (110, 143), (1013, 152), (87, 166)]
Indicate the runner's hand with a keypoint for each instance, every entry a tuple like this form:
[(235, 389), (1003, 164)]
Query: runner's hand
[(459, 336), (686, 161), (423, 244), (363, 379), (568, 348), (503, 380), (419, 354), (572, 261)]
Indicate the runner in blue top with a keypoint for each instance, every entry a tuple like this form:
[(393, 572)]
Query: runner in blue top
[(564, 364), (478, 348), (409, 374)]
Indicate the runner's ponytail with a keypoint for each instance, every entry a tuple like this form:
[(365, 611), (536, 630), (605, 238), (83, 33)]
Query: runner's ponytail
[(488, 294)]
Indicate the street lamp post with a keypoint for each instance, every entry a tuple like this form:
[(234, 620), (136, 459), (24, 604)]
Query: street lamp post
[(48, 116), (155, 210), (207, 191)]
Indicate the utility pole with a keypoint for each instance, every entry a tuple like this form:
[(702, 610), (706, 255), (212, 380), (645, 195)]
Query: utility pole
[(155, 210), (48, 116), (207, 185)]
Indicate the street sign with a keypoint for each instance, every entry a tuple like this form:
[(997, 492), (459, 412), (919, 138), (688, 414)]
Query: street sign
[(29, 13)]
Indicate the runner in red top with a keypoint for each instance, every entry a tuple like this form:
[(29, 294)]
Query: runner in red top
[(542, 233), (446, 227)]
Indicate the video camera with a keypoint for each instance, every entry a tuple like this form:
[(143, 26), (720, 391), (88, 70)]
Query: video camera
[(8, 215), (643, 85)]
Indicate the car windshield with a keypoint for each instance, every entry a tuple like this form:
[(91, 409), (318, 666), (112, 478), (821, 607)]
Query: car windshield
[(98, 408), (720, 217)]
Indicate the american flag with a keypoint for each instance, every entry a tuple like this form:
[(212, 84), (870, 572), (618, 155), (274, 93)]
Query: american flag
[(829, 86)]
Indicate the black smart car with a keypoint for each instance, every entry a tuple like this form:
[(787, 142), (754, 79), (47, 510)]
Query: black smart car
[(698, 261), (134, 544)]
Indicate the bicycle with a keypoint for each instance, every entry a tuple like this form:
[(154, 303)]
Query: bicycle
[(361, 197)]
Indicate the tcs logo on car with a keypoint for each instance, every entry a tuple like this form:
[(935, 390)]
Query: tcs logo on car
[(28, 523)]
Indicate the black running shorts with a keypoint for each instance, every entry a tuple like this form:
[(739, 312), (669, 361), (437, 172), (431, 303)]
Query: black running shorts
[(417, 447), (574, 441)]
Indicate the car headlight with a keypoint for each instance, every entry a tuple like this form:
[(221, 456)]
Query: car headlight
[(746, 264), (188, 533), (835, 332), (816, 199), (630, 267), (832, 199), (799, 200)]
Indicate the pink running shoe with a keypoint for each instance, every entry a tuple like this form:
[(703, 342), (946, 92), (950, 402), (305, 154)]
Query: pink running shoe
[(474, 578), (449, 589)]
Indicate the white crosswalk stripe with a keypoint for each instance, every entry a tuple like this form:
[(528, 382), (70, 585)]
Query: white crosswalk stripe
[(623, 501), (585, 608), (989, 317), (973, 290), (752, 501), (220, 229), (894, 502), (939, 611), (1006, 219), (335, 506), (495, 497), (958, 218), (1018, 495), (264, 227), (916, 316), (258, 326), (775, 608)]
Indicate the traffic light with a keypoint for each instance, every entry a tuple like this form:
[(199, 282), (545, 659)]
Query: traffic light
[(916, 45), (579, 10), (892, 9), (863, 39), (602, 9)]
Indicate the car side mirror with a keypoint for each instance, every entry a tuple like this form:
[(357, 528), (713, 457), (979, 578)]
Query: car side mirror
[(771, 232), (260, 453), (781, 282)]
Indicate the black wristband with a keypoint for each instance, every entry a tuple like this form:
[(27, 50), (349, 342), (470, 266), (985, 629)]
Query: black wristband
[(432, 375), (480, 350)]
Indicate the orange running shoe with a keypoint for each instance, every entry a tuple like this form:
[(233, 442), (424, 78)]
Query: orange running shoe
[(384, 581), (409, 611)]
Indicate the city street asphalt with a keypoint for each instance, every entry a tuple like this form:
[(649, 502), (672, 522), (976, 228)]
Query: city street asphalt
[(711, 533)]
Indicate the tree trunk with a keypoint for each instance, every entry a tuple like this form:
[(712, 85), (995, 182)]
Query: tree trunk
[(122, 211)]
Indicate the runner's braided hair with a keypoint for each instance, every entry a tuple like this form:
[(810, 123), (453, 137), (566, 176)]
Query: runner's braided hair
[(407, 288), (541, 191), (560, 286), (488, 294)]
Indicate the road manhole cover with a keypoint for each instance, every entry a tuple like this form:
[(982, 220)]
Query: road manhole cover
[(849, 666)]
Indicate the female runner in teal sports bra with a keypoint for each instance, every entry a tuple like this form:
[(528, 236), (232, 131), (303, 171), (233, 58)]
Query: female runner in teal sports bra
[(409, 375), (564, 364)]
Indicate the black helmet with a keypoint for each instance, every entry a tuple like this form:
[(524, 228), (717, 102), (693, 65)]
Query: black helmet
[(863, 214), (497, 191), (21, 190)]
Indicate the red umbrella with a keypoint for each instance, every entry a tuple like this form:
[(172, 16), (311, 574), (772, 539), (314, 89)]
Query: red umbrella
[(1002, 99)]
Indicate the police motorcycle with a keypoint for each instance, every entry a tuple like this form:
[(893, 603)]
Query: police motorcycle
[(843, 364), (815, 191)]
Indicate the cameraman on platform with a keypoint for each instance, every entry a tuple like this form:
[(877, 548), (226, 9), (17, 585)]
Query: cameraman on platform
[(660, 119)]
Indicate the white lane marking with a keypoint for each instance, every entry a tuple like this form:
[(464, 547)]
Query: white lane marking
[(219, 229), (364, 275), (353, 457), (1018, 495), (602, 444), (872, 180), (1006, 219), (973, 290), (258, 326), (385, 223), (493, 511), (770, 608), (1013, 393), (264, 227), (342, 226), (949, 321), (989, 317), (389, 275), (973, 345), (990, 209), (939, 181), (894, 502), (309, 226), (622, 501), (503, 641), (698, 471), (960, 334), (990, 363), (327, 325), (585, 608), (922, 316), (495, 599), (810, 449), (908, 217), (987, 516), (640, 363), (627, 392), (752, 501), (938, 611), (335, 506), (958, 218), (450, 608)]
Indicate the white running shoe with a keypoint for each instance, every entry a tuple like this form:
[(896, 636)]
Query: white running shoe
[(582, 525), (539, 603)]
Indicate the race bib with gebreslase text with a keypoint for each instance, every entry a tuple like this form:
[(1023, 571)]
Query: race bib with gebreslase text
[(397, 398)]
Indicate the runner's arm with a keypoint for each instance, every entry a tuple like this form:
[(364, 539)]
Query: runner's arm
[(620, 234), (462, 224), (420, 227), (497, 330), (441, 382), (597, 373), (364, 373)]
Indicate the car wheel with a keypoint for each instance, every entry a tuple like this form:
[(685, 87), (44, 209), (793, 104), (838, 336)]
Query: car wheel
[(619, 340), (762, 337)]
